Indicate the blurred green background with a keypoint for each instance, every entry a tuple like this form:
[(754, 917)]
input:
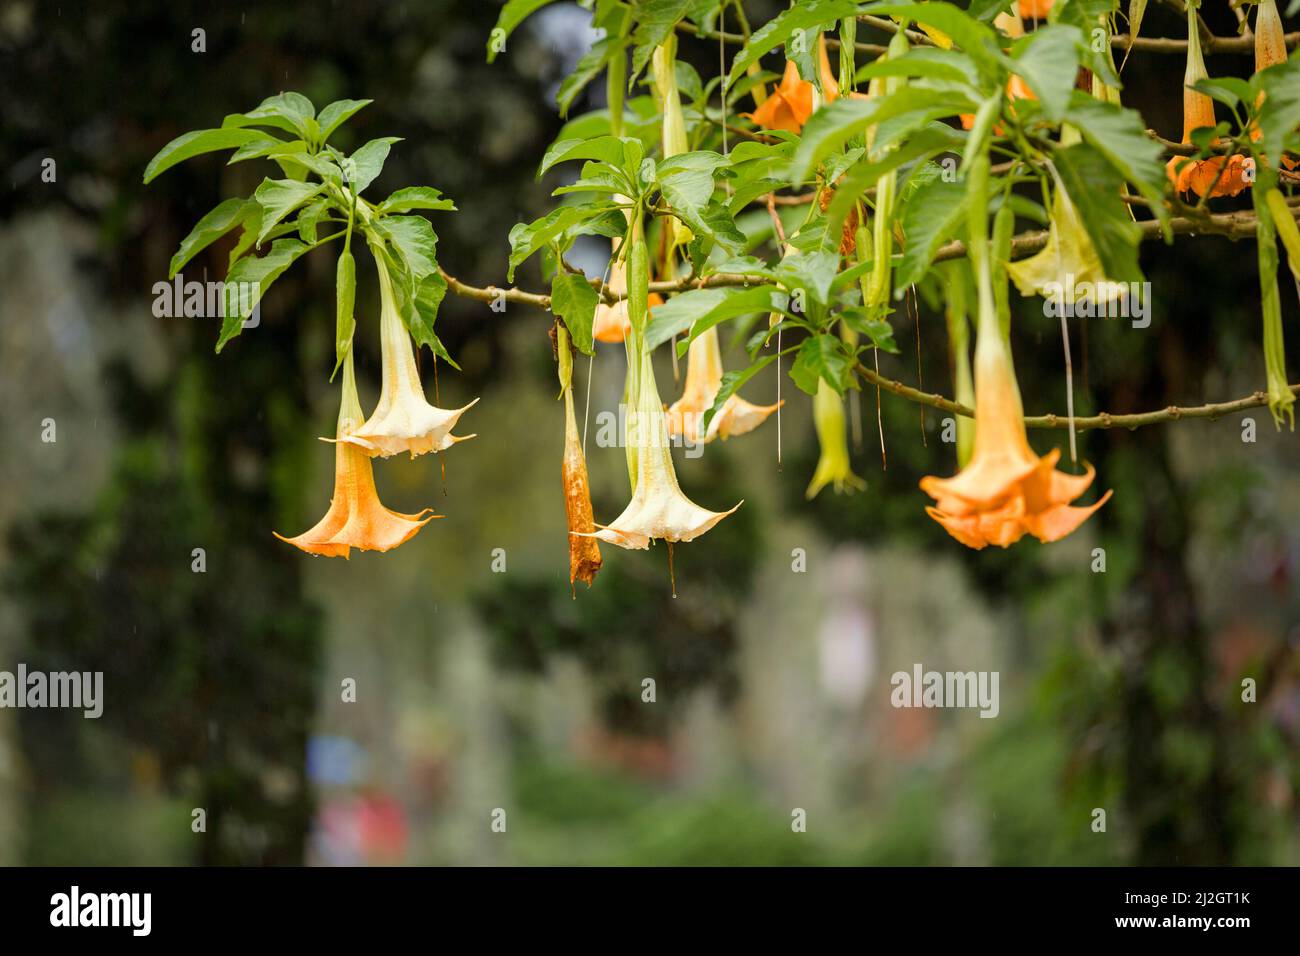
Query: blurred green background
[(478, 690)]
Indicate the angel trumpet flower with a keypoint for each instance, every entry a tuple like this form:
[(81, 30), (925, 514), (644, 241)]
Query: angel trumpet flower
[(658, 508), (403, 420), (703, 379), (1035, 9), (1217, 175), (1270, 50), (1006, 490), (790, 104), (356, 518), (1069, 262), (833, 465), (1270, 40), (584, 551)]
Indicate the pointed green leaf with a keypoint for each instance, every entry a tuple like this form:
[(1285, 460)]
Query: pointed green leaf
[(193, 144), (338, 113), (416, 197), (574, 301), (248, 281), (279, 197), (209, 229)]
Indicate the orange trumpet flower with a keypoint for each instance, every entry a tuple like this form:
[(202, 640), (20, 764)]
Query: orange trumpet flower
[(1005, 491), (790, 104), (356, 517), (703, 379), (1217, 175)]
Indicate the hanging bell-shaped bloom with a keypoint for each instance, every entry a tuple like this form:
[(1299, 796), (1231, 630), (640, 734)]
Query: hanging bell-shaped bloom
[(703, 379), (658, 508), (833, 466), (1270, 50), (1006, 490), (1270, 39), (790, 104), (1068, 264), (356, 518), (584, 550), (1217, 175), (1034, 9), (403, 420)]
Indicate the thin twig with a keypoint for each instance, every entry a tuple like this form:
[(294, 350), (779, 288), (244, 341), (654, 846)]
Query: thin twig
[(1102, 420)]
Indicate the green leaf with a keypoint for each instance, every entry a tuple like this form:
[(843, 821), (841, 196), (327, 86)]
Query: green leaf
[(605, 149), (194, 143), (336, 114), (588, 68), (935, 212), (860, 319), (414, 240), (822, 356), (831, 127), (419, 309), (687, 184), (279, 197), (1048, 59), (924, 145), (701, 309), (416, 197), (209, 229), (656, 20), (574, 301), (528, 238), (779, 30), (1094, 187), (687, 178), (368, 161), (812, 270), (976, 39), (923, 61), (252, 225), (512, 14), (264, 145), (1087, 15), (986, 10), (290, 111), (1136, 11), (1228, 90), (1120, 136), (309, 219), (248, 281), (345, 296)]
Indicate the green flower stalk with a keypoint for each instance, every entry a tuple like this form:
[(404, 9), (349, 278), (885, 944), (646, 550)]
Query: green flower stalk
[(957, 283), (1280, 398), (675, 142)]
